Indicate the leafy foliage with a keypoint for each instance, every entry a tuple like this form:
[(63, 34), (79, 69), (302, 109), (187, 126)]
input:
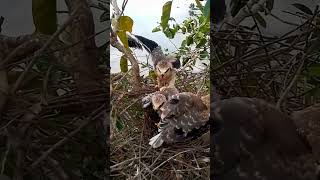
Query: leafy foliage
[(125, 25), (195, 28)]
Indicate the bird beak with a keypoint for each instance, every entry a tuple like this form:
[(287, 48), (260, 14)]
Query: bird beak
[(145, 105)]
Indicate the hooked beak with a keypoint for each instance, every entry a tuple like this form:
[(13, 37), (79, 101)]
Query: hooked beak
[(147, 104)]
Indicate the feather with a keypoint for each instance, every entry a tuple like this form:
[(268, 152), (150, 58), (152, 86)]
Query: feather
[(156, 141)]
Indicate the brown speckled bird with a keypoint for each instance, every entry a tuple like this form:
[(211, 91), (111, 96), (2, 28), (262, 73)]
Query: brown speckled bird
[(165, 66), (257, 141), (308, 121), (180, 115), (151, 104)]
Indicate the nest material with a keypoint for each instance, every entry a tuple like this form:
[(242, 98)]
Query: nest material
[(248, 63), (131, 155)]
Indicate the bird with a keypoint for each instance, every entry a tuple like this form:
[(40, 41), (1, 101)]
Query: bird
[(308, 122), (156, 100), (159, 97), (255, 140), (165, 67), (183, 117)]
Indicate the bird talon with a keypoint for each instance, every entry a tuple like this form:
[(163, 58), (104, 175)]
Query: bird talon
[(157, 124)]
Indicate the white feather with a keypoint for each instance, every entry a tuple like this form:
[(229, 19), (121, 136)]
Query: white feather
[(156, 141)]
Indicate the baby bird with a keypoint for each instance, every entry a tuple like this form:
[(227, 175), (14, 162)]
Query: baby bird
[(164, 66), (157, 99), (180, 116), (166, 74), (160, 97)]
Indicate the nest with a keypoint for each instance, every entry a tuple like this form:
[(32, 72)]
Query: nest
[(132, 157), (280, 70)]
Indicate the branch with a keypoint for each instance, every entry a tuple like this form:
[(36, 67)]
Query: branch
[(136, 82), (39, 52), (96, 114), (85, 56)]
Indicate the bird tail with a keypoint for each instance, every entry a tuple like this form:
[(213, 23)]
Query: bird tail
[(156, 141), (137, 41)]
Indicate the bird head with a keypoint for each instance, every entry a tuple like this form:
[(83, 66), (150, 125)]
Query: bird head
[(163, 68)]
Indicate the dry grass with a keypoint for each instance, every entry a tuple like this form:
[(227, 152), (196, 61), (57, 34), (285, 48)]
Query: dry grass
[(131, 155)]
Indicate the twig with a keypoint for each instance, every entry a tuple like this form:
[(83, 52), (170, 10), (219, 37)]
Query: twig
[(3, 164), (41, 50), (171, 158), (97, 113)]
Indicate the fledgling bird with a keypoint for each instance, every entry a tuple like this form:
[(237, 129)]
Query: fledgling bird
[(308, 121), (181, 115), (165, 67), (255, 137), (165, 91), (160, 97), (152, 102)]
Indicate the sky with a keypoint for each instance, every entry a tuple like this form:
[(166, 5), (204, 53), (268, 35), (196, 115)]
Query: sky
[(146, 15)]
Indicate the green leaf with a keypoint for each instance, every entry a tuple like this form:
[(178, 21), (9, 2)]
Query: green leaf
[(260, 20), (125, 24), (303, 8), (168, 33), (199, 5), (119, 125), (189, 40), (201, 43), (166, 10), (123, 64), (204, 55), (44, 16), (269, 4), (183, 43), (206, 10), (104, 16), (123, 38), (152, 74), (156, 29), (185, 61)]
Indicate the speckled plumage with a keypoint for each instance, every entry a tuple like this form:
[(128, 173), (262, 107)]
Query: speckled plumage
[(180, 115), (257, 141), (164, 66)]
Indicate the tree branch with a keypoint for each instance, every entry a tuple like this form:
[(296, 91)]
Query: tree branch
[(136, 81)]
